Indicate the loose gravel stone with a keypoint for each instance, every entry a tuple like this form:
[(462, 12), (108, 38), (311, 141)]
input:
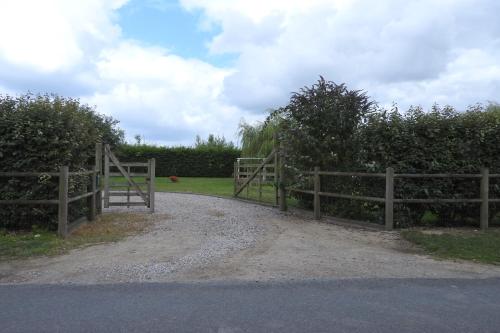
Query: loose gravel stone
[(198, 237)]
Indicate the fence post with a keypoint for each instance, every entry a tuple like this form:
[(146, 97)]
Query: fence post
[(389, 198), (485, 183), (317, 189), (93, 197), (152, 174), (62, 214), (106, 176), (98, 168), (276, 166), (260, 185), (235, 176), (282, 189)]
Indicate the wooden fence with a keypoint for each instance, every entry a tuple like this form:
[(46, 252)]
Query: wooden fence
[(92, 195), (389, 199)]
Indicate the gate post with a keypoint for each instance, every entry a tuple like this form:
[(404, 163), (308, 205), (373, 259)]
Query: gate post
[(97, 176), (106, 176), (282, 189), (93, 198), (276, 167), (152, 173)]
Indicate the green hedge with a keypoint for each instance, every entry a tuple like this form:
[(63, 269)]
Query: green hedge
[(440, 141), (337, 129), (43, 133), (184, 161)]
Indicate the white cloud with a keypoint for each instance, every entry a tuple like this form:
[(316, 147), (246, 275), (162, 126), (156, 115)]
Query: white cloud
[(76, 49), (408, 52), (55, 35), (162, 96), (411, 52)]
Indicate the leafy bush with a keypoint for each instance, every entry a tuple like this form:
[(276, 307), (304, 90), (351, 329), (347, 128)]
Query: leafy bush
[(329, 126), (43, 133), (184, 161)]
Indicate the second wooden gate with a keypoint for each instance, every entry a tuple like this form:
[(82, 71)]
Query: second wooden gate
[(121, 182)]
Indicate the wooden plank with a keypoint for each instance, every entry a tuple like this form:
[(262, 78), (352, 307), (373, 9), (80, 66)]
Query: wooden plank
[(124, 173), (98, 166), (123, 194), (235, 178), (131, 174), (350, 196), (106, 176), (348, 174), (437, 200), (81, 173), (436, 175), (276, 193), (126, 184), (317, 190), (245, 183), (267, 166), (484, 214), (389, 198), (28, 202), (27, 174), (62, 214), (127, 203), (93, 197), (131, 164), (79, 197), (152, 188), (282, 182)]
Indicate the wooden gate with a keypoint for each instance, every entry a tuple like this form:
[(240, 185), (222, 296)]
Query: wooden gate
[(270, 170), (130, 180)]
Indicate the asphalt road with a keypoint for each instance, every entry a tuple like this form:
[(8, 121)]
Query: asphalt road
[(360, 305)]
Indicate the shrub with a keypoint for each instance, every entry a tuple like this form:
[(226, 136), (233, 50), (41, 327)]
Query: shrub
[(337, 129), (43, 133), (184, 161)]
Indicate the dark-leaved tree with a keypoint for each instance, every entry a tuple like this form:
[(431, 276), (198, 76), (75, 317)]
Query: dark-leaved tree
[(320, 123)]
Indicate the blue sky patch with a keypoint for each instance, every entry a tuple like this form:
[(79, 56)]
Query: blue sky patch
[(169, 25)]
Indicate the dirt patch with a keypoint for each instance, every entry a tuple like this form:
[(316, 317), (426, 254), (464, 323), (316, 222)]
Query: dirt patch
[(194, 238)]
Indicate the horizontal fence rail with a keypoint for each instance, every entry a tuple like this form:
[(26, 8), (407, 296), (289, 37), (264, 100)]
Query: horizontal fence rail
[(389, 199), (93, 195)]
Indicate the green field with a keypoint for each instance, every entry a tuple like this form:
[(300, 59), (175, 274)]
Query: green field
[(475, 245), (223, 187)]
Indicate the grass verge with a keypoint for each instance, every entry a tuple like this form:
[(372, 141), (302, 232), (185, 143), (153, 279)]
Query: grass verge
[(474, 245), (110, 227)]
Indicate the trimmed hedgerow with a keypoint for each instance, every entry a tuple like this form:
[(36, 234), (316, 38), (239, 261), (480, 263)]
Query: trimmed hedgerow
[(184, 161), (329, 126), (41, 133)]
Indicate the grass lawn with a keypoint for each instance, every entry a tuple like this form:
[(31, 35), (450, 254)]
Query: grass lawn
[(107, 228), (212, 186), (479, 246)]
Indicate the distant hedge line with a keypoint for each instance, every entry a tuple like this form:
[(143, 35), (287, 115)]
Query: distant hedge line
[(184, 161)]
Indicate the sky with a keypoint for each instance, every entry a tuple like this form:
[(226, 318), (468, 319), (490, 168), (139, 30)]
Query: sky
[(169, 70)]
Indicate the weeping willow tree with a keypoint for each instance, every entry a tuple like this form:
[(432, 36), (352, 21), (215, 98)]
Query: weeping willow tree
[(258, 140)]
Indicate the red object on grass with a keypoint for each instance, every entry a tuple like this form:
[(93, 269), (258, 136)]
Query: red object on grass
[(174, 179)]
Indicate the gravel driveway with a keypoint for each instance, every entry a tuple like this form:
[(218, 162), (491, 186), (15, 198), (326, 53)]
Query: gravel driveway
[(199, 238)]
